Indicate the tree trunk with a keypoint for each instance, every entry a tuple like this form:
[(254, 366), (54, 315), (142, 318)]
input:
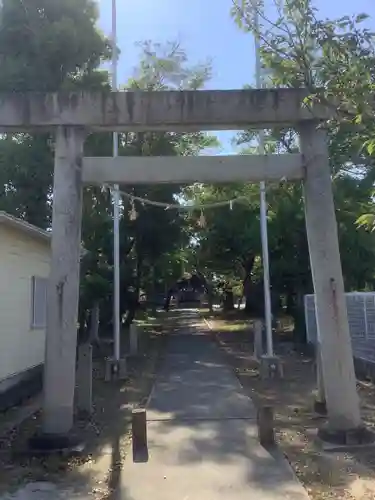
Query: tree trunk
[(228, 301), (248, 288), (153, 291), (138, 276), (210, 297), (299, 332)]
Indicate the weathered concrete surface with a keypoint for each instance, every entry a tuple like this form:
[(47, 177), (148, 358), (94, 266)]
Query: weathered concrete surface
[(330, 302), (84, 378), (202, 436), (46, 491), (187, 169), (195, 383), (63, 283), (166, 110)]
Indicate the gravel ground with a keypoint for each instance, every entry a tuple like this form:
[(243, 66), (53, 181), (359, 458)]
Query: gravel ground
[(347, 476), (106, 433)]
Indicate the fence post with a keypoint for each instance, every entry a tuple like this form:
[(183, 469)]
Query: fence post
[(365, 315)]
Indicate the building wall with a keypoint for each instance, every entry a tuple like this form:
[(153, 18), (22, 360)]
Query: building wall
[(21, 347)]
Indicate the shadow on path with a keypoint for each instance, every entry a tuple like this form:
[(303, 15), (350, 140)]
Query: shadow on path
[(202, 430)]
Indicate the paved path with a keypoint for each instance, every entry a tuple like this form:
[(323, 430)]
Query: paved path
[(202, 433)]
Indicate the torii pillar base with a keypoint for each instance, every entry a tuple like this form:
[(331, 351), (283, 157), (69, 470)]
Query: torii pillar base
[(271, 368), (115, 369), (66, 445), (334, 439)]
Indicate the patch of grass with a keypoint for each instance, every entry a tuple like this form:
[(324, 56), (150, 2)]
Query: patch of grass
[(146, 319), (234, 326), (232, 321)]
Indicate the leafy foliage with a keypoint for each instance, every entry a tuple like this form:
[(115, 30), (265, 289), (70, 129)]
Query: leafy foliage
[(46, 45), (325, 56), (56, 45)]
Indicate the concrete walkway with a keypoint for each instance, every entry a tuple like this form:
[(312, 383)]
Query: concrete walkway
[(202, 433)]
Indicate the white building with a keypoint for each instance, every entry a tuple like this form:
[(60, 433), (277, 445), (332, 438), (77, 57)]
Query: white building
[(24, 270)]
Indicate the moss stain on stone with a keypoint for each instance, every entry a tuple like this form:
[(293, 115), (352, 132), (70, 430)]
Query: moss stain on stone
[(181, 101), (74, 99), (261, 99), (191, 103), (103, 106), (23, 100), (130, 104), (275, 99), (115, 107), (65, 101)]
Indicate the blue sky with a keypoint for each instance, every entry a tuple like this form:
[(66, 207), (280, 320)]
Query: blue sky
[(205, 30)]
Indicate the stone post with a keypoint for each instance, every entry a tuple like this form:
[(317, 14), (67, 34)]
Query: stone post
[(63, 287), (133, 339), (265, 421), (139, 435), (331, 314)]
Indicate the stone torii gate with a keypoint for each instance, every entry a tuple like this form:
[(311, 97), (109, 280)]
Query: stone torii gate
[(75, 115)]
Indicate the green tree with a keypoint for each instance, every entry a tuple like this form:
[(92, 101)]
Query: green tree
[(44, 46), (56, 45), (158, 232), (332, 58), (47, 45), (151, 238), (295, 53)]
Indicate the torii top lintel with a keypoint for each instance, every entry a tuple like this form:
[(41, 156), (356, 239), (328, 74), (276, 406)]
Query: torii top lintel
[(158, 110)]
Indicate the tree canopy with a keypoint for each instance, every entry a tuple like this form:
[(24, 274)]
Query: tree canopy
[(56, 44), (328, 57)]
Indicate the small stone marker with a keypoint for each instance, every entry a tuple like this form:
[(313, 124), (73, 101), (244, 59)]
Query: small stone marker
[(108, 370), (139, 435), (115, 370), (133, 339), (265, 426), (122, 369), (84, 379), (271, 368)]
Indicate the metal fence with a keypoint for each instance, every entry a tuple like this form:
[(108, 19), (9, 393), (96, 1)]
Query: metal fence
[(361, 317)]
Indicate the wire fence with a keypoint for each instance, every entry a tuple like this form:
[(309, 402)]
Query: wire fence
[(361, 317)]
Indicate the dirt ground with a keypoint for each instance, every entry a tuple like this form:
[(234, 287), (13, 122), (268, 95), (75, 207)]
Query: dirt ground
[(348, 476), (106, 432)]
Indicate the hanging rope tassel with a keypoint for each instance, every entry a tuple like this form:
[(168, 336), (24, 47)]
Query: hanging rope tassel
[(133, 212), (202, 220)]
